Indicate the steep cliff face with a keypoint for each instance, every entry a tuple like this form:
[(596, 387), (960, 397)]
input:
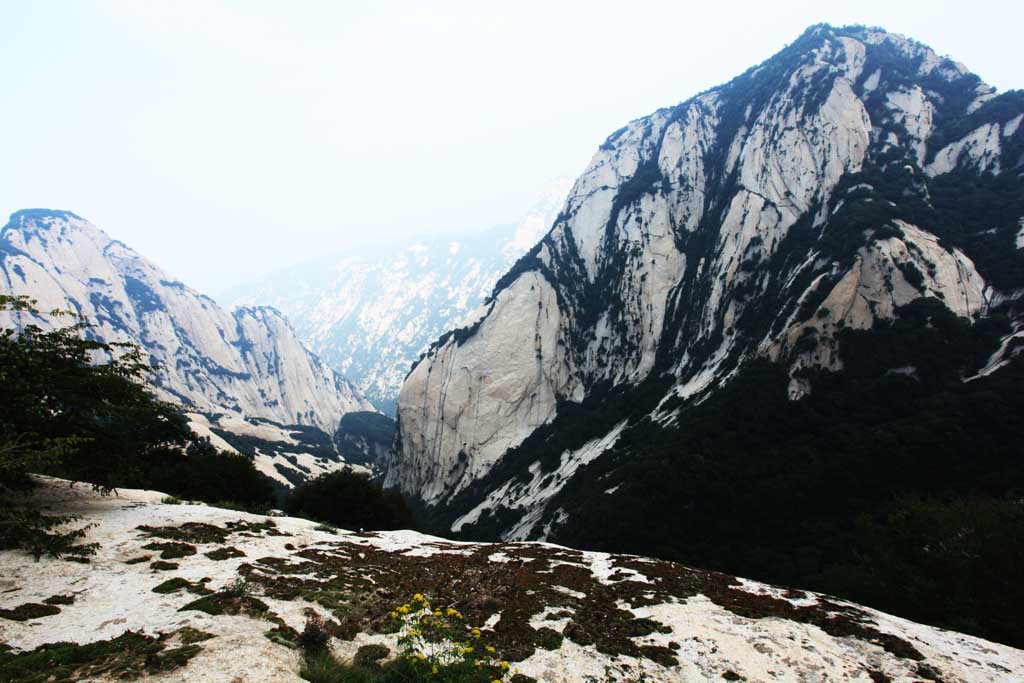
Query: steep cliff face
[(249, 362), (853, 174), (372, 313)]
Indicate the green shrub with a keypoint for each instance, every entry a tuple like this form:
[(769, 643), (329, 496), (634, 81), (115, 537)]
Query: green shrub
[(201, 472), (314, 637), (67, 415), (349, 500)]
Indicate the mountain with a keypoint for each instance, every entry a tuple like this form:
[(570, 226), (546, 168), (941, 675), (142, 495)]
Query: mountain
[(233, 591), (246, 368), (370, 314), (766, 318)]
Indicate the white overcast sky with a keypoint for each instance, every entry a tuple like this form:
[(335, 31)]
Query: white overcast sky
[(224, 140)]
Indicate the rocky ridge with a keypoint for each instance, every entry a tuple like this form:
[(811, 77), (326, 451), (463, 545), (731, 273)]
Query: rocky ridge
[(165, 581)]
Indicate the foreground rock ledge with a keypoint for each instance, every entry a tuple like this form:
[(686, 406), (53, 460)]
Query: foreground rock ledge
[(558, 614)]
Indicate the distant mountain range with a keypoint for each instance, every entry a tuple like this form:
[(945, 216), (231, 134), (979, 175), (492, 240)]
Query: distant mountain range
[(372, 313)]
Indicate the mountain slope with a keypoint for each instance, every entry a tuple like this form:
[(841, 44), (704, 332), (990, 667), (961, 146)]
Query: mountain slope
[(248, 363), (372, 313), (829, 241)]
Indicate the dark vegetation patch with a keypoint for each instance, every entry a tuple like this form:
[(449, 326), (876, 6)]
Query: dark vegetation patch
[(41, 534), (182, 537), (29, 610), (324, 667), (172, 550), (189, 532), (225, 553), (291, 475), (351, 500), (220, 603), (178, 584), (315, 636), (283, 634), (267, 527), (203, 473), (161, 566), (127, 657), (232, 599), (370, 655), (138, 560), (60, 600)]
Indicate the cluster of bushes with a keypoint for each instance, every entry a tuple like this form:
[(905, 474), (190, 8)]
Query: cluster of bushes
[(78, 408), (350, 500)]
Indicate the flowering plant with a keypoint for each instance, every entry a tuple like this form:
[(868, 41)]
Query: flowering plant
[(439, 645)]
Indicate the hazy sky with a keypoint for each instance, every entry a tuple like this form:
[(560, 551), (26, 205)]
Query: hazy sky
[(227, 139)]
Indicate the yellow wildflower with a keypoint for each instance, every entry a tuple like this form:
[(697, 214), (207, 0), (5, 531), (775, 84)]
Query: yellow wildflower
[(404, 609), (420, 656), (418, 597), (467, 650), (490, 649), (434, 670), (504, 665)]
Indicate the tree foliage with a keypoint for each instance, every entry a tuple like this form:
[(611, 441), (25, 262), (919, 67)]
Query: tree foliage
[(350, 500), (79, 408)]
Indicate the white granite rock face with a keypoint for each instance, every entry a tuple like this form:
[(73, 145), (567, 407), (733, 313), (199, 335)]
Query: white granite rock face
[(663, 252), (980, 148), (490, 396), (249, 362)]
